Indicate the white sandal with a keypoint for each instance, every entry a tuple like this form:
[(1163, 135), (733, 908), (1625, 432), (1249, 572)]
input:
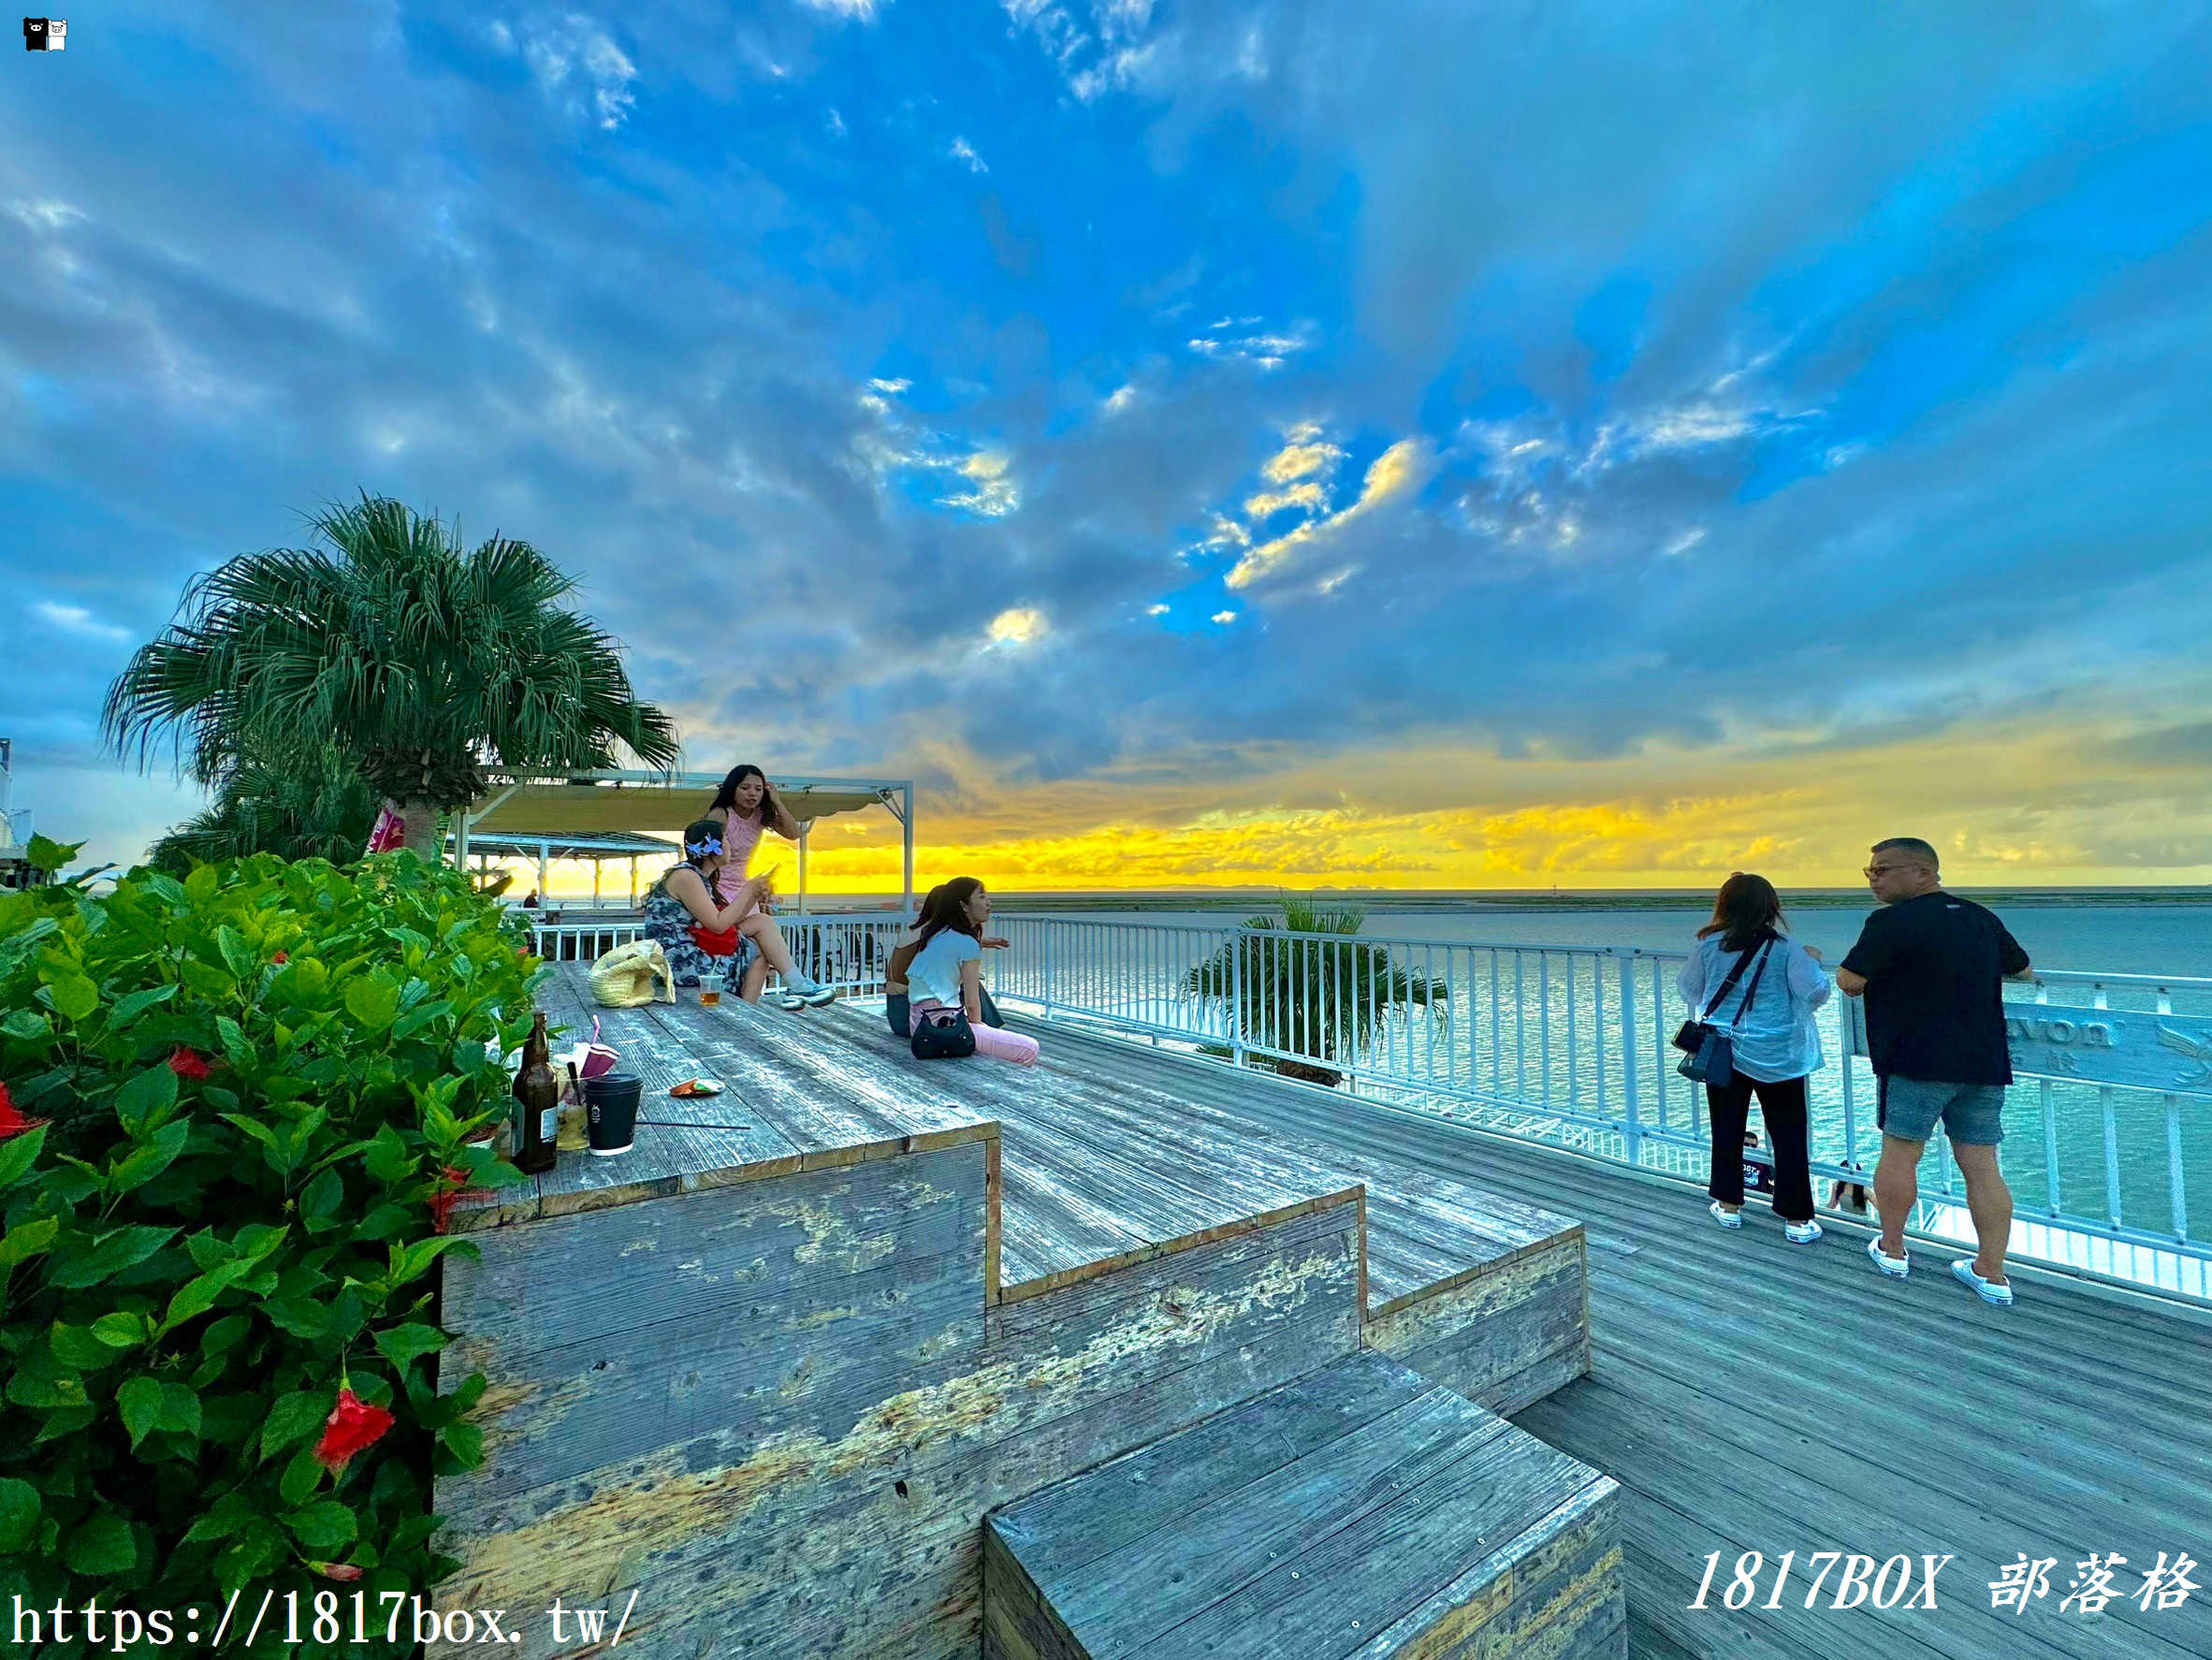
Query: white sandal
[(1725, 1218)]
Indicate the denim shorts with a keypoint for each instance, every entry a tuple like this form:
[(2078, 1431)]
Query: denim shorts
[(1971, 1113)]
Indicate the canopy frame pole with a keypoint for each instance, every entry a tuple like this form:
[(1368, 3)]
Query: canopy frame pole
[(634, 882), (460, 842), (806, 829), (544, 886), (905, 819)]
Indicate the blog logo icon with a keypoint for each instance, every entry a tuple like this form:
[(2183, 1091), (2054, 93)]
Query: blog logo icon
[(44, 34)]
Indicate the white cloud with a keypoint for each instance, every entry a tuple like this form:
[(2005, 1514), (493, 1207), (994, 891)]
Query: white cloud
[(837, 123), (1268, 351), (963, 151), (1120, 399), (1156, 611), (862, 11), (76, 620), (974, 479), (578, 63), (1224, 616), (1394, 472), (1684, 543)]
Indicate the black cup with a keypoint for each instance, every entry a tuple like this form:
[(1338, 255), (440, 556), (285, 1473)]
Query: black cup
[(610, 1111)]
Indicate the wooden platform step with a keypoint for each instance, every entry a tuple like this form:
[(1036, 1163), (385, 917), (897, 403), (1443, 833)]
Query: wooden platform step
[(1358, 1510)]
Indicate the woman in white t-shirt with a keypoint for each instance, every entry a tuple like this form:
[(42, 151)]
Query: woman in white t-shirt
[(947, 971), (1768, 1014)]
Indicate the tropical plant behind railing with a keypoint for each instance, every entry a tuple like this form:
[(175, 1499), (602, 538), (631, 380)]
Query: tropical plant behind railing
[(1317, 998)]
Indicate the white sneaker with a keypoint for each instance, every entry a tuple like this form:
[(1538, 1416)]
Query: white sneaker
[(1804, 1234), (1895, 1267), (1987, 1290), (1725, 1218)]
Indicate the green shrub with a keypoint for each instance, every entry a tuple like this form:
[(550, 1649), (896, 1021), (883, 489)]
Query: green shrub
[(259, 1082)]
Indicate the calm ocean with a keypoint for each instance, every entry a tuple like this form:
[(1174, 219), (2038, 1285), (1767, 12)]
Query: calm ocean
[(2091, 938)]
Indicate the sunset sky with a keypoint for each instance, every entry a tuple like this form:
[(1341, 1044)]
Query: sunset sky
[(1381, 446)]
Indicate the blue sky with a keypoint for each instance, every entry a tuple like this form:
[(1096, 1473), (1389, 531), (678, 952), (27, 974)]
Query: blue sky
[(1414, 444)]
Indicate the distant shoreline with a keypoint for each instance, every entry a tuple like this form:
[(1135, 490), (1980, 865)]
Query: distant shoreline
[(1478, 902)]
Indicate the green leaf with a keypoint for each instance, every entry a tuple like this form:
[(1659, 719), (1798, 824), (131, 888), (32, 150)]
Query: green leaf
[(75, 998), (52, 855), (301, 1477), (233, 1039), (121, 1249), (293, 1417), (373, 1001), (149, 1160), (319, 1200), (101, 1547), (324, 1527), (19, 1516), (128, 1009), (139, 1401), (225, 1333), (225, 1516), (76, 1347), (401, 1345), (194, 1297), (238, 956), (203, 979), (18, 1154), (20, 1244), (118, 1330), (200, 887), (415, 1019), (389, 1158), (180, 1409), (165, 886), (26, 1026), (147, 1097)]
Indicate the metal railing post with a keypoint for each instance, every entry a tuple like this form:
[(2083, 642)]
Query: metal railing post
[(1048, 969), (1236, 996), (1633, 1130)]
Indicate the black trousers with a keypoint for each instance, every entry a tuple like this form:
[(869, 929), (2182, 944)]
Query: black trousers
[(1782, 1105)]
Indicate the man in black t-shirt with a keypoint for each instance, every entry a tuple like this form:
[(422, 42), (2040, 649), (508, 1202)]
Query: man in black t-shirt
[(1929, 966)]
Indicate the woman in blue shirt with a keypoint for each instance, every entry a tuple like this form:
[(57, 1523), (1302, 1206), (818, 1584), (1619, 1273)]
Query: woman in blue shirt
[(1768, 1014), (947, 971)]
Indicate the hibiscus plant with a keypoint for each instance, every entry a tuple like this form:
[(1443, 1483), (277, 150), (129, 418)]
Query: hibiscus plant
[(235, 1113)]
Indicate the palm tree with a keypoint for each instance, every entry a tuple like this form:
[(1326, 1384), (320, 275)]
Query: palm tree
[(422, 661), (1314, 997), (312, 806)]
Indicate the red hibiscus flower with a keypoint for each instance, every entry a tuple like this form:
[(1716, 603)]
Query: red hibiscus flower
[(12, 1122), (451, 1191), (281, 958), (353, 1426), (185, 1063), (336, 1570)]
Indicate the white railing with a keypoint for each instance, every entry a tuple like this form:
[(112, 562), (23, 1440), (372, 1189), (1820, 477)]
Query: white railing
[(1569, 1045)]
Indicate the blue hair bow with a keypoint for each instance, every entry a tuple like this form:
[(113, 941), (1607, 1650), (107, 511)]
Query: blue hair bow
[(700, 850)]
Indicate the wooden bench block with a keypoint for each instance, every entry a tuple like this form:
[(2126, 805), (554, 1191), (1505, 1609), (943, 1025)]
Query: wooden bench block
[(1357, 1510)]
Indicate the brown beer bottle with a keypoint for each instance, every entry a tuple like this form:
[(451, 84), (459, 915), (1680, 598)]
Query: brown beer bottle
[(537, 1096)]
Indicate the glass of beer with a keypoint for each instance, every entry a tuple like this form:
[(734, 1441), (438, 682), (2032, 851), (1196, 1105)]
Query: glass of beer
[(710, 996)]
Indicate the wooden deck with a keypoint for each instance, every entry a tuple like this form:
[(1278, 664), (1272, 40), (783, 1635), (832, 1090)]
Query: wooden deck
[(1753, 1395), (1747, 1394)]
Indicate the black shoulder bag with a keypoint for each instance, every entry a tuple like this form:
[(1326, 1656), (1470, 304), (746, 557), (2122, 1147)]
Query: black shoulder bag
[(942, 1034), (1709, 1050)]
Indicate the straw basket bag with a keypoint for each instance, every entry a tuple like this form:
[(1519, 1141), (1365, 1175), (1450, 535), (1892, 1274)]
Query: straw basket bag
[(626, 977)]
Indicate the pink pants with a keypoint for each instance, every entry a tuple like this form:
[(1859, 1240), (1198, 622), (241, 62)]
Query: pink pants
[(989, 1040)]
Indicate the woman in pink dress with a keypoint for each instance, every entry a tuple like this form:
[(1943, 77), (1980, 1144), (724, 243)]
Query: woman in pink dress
[(745, 805)]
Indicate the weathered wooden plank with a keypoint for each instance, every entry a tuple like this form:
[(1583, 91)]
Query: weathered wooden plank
[(1109, 1510), (1762, 1509), (735, 1519), (1131, 1600), (596, 1276), (1556, 1589), (1386, 1559), (1491, 1327)]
